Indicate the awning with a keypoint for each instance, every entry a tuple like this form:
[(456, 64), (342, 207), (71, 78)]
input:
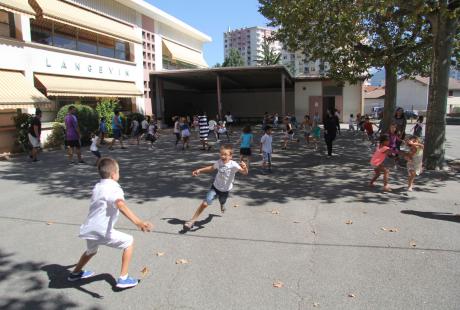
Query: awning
[(64, 12), (17, 6), (81, 87), (18, 93), (181, 53)]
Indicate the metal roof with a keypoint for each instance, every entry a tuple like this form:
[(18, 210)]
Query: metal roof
[(231, 77)]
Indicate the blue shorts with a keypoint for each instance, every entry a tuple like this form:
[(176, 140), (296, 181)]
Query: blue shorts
[(96, 153), (213, 193), (116, 134)]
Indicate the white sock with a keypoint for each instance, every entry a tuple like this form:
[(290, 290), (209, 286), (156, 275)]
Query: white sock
[(124, 277)]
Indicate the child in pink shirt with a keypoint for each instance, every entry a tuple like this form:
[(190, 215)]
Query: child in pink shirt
[(378, 162)]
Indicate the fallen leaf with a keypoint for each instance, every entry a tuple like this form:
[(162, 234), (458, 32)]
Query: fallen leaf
[(49, 223), (351, 295), (144, 271), (182, 261), (364, 212), (160, 253), (316, 304), (296, 222), (278, 284), (412, 243), (390, 229), (274, 211), (235, 206), (349, 222), (313, 232)]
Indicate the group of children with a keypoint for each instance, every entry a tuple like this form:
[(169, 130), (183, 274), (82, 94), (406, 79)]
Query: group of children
[(108, 198)]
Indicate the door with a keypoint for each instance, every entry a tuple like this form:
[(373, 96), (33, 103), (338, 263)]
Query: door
[(315, 105)]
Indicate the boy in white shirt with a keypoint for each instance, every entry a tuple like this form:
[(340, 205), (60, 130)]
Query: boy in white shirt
[(351, 126), (266, 148), (94, 147), (106, 204), (223, 182)]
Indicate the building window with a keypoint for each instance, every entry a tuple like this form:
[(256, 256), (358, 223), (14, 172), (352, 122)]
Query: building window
[(65, 36), (451, 93), (7, 28), (87, 42), (42, 32), (48, 32)]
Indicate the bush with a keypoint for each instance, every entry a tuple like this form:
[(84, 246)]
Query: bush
[(87, 120), (105, 108), (57, 136), (22, 122)]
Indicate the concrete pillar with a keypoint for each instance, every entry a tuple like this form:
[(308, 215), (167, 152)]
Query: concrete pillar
[(219, 97), (283, 95), (159, 104)]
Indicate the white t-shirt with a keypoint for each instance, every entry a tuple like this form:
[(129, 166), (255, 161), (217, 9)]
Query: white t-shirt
[(135, 125), (350, 121), (229, 118), (212, 124), (145, 124), (152, 128), (266, 141), (176, 127), (103, 213), (225, 175), (93, 146)]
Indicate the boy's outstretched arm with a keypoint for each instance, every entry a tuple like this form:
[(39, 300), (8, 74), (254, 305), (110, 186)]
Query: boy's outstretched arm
[(244, 168), (207, 169), (142, 225)]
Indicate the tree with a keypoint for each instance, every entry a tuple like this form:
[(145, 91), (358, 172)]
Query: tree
[(353, 36), (269, 55), (443, 16), (233, 59)]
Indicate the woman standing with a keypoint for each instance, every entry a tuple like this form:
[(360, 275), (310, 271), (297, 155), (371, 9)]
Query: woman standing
[(330, 131)]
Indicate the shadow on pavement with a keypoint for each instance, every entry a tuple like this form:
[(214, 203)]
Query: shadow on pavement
[(434, 215), (198, 224), (300, 173), (58, 274), (30, 290)]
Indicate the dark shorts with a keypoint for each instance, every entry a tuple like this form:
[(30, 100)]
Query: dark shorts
[(215, 193), (96, 153), (245, 151), (73, 143), (151, 138), (116, 134)]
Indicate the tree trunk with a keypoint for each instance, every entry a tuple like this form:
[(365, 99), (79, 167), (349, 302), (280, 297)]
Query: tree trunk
[(391, 82), (443, 34)]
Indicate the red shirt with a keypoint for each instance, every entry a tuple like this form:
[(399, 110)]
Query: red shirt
[(368, 127)]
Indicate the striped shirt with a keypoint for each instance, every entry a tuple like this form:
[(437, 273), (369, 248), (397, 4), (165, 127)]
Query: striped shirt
[(204, 127)]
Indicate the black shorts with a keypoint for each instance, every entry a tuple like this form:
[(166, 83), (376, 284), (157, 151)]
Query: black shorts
[(245, 151), (73, 143), (96, 153)]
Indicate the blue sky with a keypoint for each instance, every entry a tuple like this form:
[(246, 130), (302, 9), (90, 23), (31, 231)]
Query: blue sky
[(213, 17)]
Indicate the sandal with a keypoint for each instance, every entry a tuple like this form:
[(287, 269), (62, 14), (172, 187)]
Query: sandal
[(188, 225)]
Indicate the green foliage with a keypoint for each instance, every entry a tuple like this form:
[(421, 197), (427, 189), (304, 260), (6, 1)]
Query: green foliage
[(57, 137), (105, 108), (88, 121), (233, 59), (269, 56), (22, 123)]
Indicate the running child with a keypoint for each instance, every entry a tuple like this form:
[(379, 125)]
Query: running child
[(418, 128), (289, 133), (414, 160), (223, 182), (378, 162), (245, 146), (94, 147), (395, 141), (221, 129), (152, 133), (307, 128), (351, 126), (369, 130), (102, 129), (184, 132), (266, 148), (176, 129), (107, 202), (316, 132)]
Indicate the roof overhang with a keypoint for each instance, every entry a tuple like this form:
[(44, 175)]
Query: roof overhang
[(155, 13), (247, 78)]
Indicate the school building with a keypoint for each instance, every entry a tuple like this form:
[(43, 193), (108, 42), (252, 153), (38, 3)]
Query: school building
[(57, 52)]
